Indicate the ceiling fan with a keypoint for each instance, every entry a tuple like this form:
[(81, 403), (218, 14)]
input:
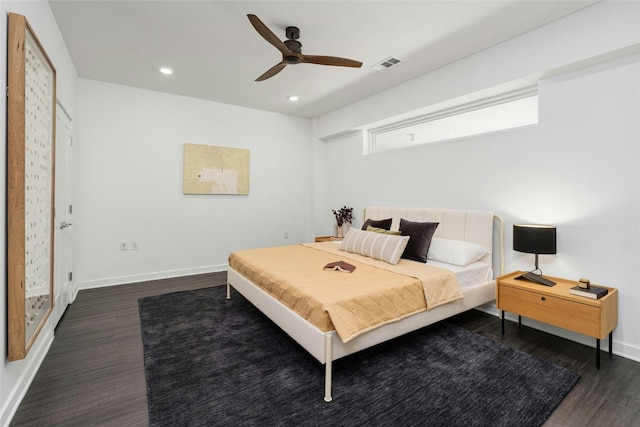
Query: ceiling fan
[(291, 50)]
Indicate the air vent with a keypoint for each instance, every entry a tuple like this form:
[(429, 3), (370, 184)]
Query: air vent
[(385, 64)]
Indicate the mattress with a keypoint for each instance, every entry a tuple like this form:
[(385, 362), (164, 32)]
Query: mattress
[(475, 274)]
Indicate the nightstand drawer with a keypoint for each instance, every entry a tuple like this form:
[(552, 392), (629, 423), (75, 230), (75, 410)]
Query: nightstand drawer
[(556, 311)]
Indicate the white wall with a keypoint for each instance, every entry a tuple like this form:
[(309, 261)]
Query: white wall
[(578, 168), (15, 377), (129, 155)]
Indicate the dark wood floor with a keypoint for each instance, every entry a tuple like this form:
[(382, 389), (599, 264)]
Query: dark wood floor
[(93, 374)]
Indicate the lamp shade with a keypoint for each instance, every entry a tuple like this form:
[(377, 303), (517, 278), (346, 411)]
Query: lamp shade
[(534, 239)]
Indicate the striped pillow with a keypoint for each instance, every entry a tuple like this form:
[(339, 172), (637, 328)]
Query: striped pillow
[(383, 247)]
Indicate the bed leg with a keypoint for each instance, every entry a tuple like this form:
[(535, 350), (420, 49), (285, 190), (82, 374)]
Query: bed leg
[(228, 291), (327, 367)]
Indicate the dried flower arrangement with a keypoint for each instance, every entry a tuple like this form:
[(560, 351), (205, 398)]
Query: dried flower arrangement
[(343, 215)]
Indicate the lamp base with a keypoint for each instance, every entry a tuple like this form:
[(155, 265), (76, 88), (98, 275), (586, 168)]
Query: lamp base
[(537, 278)]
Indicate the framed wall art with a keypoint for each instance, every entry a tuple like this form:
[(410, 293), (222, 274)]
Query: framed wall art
[(209, 169), (31, 101)]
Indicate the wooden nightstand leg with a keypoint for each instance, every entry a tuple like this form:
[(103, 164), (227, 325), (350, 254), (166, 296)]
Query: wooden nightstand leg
[(502, 316)]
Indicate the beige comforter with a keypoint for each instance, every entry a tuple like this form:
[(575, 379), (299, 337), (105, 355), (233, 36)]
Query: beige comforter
[(376, 293)]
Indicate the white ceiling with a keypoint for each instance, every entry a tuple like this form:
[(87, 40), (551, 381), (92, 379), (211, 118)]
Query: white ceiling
[(216, 54)]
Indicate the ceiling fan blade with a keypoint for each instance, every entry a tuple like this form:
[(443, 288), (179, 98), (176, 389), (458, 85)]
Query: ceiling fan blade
[(268, 35), (272, 71), (330, 60)]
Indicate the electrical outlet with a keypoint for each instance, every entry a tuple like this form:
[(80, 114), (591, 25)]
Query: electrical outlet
[(123, 246), (135, 245)]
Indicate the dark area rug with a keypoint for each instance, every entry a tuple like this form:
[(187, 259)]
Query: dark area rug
[(211, 361)]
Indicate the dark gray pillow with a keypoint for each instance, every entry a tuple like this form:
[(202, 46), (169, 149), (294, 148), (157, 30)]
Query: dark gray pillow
[(420, 234), (378, 223)]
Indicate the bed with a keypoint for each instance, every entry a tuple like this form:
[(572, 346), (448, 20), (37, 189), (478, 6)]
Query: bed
[(477, 283)]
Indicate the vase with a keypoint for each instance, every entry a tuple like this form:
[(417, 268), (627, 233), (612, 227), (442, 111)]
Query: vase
[(342, 229)]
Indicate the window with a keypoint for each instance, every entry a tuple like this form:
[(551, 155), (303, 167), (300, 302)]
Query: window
[(505, 111)]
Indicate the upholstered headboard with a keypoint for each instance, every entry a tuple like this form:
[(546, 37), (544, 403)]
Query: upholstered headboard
[(470, 225)]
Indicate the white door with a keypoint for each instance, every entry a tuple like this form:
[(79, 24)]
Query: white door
[(63, 275)]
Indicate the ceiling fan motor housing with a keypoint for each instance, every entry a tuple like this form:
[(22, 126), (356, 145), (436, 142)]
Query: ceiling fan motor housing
[(294, 46)]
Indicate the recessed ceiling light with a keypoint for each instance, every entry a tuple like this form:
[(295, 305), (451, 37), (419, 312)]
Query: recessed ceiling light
[(293, 98), (166, 70)]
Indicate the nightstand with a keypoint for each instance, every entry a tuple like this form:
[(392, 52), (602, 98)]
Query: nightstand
[(554, 305), (327, 238)]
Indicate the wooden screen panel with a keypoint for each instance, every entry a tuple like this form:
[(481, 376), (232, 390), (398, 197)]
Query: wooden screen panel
[(31, 97)]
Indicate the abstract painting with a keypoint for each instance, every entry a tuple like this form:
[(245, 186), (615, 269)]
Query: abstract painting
[(209, 169)]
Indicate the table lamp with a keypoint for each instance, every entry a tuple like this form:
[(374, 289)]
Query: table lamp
[(535, 239)]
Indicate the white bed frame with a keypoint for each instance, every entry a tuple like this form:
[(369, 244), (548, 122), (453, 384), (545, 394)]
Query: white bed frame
[(472, 226)]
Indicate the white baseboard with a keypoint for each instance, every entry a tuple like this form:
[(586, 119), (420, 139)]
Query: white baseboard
[(73, 292), (32, 363), (123, 280), (626, 350), (619, 348)]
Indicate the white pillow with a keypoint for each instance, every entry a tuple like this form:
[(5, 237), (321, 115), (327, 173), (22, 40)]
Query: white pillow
[(383, 247), (457, 252)]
